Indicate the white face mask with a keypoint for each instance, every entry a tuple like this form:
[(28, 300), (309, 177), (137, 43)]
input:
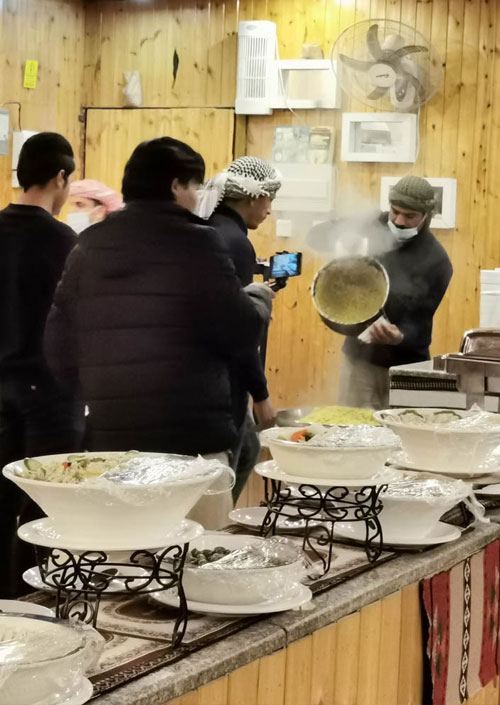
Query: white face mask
[(78, 221), (403, 234)]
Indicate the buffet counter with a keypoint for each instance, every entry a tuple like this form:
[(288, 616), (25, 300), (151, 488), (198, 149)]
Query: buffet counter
[(359, 642)]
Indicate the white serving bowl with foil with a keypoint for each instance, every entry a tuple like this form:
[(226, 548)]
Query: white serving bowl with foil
[(436, 448), (306, 460), (113, 513), (29, 674), (231, 586), (412, 515)]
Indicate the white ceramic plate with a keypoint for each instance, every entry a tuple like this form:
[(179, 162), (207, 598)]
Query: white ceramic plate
[(33, 578), (41, 532), (82, 693), (18, 606), (401, 460), (443, 533), (254, 516), (489, 491), (385, 475), (301, 596)]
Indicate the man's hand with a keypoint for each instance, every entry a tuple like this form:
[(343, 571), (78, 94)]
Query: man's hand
[(385, 333), (264, 413)]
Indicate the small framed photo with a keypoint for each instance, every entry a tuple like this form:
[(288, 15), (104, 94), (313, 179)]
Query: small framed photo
[(445, 191), (379, 137)]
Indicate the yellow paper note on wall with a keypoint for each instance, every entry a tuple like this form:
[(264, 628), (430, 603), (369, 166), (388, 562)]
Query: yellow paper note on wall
[(30, 73)]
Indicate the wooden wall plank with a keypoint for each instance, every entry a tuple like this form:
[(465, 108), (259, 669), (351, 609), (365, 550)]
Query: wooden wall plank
[(411, 648), (243, 685), (298, 672), (347, 660), (389, 650), (369, 645), (324, 645), (271, 679)]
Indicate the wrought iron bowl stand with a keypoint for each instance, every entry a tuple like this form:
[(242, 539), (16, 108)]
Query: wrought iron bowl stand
[(320, 508), (81, 580)]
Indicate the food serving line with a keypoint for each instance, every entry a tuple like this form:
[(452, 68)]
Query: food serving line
[(333, 480)]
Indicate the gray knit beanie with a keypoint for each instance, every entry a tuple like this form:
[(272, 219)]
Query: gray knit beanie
[(413, 192)]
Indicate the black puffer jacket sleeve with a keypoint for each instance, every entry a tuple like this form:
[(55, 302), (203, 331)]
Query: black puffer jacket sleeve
[(227, 317), (60, 338)]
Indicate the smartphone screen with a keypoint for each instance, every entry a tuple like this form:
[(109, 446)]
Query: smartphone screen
[(286, 264)]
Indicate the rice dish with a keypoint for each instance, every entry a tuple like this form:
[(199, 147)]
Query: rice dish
[(350, 291), (341, 416)]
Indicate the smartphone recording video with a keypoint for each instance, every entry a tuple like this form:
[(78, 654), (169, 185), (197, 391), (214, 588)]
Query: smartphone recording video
[(285, 264)]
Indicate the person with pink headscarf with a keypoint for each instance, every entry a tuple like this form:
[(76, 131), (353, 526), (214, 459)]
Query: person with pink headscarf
[(90, 201)]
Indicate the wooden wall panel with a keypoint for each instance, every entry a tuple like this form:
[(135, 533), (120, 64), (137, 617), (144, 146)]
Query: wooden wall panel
[(113, 134), (459, 137), (50, 31)]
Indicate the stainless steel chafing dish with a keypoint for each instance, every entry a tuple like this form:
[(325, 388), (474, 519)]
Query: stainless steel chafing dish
[(476, 366)]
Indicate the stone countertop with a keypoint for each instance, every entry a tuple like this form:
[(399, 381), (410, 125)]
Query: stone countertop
[(420, 369), (279, 630)]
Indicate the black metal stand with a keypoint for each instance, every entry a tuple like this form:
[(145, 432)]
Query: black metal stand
[(81, 580), (320, 508)]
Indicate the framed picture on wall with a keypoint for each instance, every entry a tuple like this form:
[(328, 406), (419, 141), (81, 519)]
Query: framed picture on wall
[(379, 137), (445, 191)]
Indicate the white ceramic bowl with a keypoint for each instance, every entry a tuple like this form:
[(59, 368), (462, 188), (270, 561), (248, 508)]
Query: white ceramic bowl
[(42, 673), (237, 587), (436, 448), (305, 460), (412, 517), (99, 513)]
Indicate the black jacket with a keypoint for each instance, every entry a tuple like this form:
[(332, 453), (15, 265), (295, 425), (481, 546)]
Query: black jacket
[(419, 273), (150, 315), (33, 249), (248, 375)]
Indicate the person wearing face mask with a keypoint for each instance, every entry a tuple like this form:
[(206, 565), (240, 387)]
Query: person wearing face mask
[(90, 201), (149, 315), (419, 272), (235, 201)]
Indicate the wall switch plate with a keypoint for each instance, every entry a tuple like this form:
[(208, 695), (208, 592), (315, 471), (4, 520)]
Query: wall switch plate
[(283, 228), (18, 139)]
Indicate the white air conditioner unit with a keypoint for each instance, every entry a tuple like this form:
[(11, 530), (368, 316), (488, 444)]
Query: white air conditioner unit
[(265, 82), (256, 67)]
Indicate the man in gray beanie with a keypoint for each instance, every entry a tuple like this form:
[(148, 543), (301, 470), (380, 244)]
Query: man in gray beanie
[(419, 272)]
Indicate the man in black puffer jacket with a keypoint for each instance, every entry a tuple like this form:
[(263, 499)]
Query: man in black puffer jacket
[(150, 313)]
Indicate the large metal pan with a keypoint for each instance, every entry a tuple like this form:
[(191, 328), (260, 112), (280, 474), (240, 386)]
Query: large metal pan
[(357, 275)]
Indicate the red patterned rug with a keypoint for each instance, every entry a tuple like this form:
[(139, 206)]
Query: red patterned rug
[(462, 607)]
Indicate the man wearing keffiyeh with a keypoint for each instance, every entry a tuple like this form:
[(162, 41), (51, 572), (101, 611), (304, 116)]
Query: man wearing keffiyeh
[(234, 201)]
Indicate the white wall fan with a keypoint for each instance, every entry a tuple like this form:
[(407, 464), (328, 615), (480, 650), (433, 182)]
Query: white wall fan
[(387, 65)]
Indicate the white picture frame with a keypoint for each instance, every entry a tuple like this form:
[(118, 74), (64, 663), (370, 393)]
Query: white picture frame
[(379, 137), (444, 217)]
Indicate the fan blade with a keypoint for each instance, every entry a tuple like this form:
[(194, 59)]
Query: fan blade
[(377, 93), (416, 84), (355, 63), (373, 43), (401, 87), (410, 49)]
